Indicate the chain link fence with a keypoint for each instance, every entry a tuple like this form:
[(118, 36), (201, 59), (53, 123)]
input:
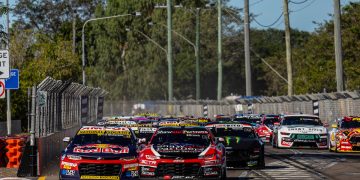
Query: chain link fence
[(58, 109), (329, 106), (62, 105)]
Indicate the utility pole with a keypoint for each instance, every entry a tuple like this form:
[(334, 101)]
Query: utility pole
[(197, 53), (73, 27), (247, 49), (338, 48), (288, 48), (8, 103), (219, 87), (169, 51)]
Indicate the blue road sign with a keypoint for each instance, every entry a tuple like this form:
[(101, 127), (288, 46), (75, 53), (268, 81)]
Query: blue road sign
[(13, 81)]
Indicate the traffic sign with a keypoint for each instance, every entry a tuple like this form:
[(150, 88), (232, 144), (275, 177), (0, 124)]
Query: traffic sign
[(13, 81), (2, 88), (4, 64)]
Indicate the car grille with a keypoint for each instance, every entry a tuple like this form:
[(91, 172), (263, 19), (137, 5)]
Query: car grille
[(100, 169), (354, 139), (181, 169)]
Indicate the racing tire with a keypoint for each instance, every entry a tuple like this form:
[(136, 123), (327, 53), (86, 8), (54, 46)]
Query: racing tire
[(223, 174), (261, 162)]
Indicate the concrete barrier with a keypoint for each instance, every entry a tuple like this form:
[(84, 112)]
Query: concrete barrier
[(50, 147)]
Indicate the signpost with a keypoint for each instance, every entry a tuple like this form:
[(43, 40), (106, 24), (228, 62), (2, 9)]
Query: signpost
[(13, 81), (2, 89), (4, 64)]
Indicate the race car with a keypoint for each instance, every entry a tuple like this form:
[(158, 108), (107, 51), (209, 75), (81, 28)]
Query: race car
[(265, 129), (243, 147), (100, 152), (345, 135), (300, 130), (183, 153), (220, 117), (253, 119)]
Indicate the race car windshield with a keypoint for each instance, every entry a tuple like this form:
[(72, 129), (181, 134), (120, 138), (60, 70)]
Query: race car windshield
[(350, 124), (83, 139), (246, 119), (223, 119), (302, 121), (173, 137), (270, 121), (236, 132)]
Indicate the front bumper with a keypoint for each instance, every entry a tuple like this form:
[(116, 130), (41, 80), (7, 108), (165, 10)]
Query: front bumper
[(346, 146), (98, 169), (180, 168), (290, 142)]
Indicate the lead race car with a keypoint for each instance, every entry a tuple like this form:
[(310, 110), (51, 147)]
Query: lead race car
[(100, 152), (300, 131), (243, 147), (182, 153), (345, 135)]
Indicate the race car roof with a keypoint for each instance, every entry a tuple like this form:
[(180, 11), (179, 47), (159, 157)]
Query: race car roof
[(173, 128), (301, 115), (100, 128)]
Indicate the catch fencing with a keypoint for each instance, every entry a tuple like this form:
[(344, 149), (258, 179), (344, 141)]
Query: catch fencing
[(329, 106), (58, 109)]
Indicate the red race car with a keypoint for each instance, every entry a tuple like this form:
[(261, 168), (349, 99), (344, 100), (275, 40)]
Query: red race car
[(265, 129), (183, 153)]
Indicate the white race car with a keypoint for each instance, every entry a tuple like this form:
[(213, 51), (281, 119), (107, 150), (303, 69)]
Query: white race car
[(300, 130)]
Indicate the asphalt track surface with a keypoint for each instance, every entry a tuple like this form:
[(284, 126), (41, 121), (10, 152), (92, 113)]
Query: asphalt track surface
[(302, 164)]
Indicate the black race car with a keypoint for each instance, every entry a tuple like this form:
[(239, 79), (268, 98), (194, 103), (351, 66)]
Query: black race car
[(243, 147)]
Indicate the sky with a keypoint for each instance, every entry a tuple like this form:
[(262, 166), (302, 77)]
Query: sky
[(268, 11), (301, 18)]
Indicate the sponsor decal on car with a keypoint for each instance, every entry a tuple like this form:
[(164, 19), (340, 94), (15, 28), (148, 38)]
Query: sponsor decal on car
[(101, 148), (99, 177)]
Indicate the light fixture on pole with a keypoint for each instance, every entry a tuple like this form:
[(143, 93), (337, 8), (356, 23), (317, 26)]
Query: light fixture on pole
[(83, 38)]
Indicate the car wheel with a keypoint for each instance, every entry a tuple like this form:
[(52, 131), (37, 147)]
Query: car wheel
[(273, 142), (223, 174), (261, 161)]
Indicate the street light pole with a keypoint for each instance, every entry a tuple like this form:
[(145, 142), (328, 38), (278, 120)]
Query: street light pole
[(83, 39), (219, 85), (169, 54), (197, 54), (247, 49)]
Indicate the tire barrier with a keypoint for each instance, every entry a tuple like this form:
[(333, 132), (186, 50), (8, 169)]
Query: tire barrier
[(14, 148), (3, 158)]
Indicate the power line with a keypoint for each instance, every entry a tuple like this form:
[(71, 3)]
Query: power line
[(301, 2), (267, 26), (304, 7), (257, 2)]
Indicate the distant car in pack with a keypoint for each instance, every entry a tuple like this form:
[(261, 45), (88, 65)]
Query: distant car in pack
[(183, 153), (220, 117), (243, 147), (265, 129), (253, 119), (300, 130), (345, 135), (100, 152)]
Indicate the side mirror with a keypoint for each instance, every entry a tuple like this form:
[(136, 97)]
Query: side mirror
[(67, 139), (142, 141), (219, 140), (326, 125), (276, 124), (334, 126)]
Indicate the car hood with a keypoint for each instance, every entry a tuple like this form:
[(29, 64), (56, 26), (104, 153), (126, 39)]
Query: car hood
[(306, 129), (103, 150), (179, 149), (241, 143)]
